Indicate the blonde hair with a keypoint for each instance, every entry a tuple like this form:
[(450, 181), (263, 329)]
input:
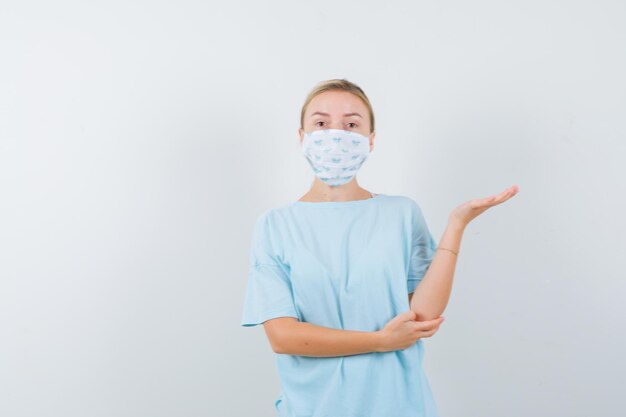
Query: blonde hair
[(341, 85)]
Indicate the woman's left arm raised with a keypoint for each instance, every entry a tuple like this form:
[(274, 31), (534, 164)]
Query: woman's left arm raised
[(431, 296)]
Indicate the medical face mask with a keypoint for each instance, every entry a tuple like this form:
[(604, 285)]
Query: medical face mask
[(334, 154)]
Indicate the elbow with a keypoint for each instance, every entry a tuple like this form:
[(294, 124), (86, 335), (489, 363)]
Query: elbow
[(420, 314), (426, 316), (423, 313), (278, 333), (277, 342), (425, 309), (278, 346)]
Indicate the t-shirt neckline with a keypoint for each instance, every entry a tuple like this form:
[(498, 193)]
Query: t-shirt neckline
[(338, 203)]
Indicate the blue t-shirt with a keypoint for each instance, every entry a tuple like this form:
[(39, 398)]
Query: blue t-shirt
[(346, 265)]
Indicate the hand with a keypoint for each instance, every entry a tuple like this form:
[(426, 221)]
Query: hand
[(469, 210), (403, 331)]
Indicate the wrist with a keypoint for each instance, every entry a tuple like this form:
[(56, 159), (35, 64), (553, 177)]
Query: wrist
[(378, 341), (456, 225)]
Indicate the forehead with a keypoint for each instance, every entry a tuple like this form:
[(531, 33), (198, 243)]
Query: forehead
[(336, 103)]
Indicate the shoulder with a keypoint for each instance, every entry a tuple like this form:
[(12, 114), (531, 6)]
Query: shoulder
[(403, 202), (408, 208), (270, 215), (272, 218)]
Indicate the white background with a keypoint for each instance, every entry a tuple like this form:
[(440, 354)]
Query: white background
[(139, 142)]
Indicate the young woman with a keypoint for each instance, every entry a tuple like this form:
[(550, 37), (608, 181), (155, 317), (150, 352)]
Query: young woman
[(347, 282)]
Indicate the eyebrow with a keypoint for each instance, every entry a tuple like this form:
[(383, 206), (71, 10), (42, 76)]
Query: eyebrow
[(345, 115)]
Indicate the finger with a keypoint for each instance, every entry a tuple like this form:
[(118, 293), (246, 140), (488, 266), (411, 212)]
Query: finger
[(501, 198), (495, 199), (508, 193), (433, 330), (483, 203), (430, 332), (427, 333), (427, 325)]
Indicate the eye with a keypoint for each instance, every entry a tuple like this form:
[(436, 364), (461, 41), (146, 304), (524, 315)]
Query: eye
[(316, 123), (352, 123)]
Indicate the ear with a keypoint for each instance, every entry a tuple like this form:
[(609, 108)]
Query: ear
[(372, 136), (301, 134)]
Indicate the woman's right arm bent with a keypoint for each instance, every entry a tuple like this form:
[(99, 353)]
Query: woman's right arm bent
[(287, 335)]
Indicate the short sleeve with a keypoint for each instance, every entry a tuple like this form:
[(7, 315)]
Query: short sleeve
[(268, 292), (423, 246)]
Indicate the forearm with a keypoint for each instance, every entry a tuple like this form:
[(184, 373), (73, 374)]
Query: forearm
[(433, 292), (307, 339)]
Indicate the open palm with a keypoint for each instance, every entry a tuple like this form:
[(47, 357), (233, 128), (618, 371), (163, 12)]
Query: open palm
[(469, 210)]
